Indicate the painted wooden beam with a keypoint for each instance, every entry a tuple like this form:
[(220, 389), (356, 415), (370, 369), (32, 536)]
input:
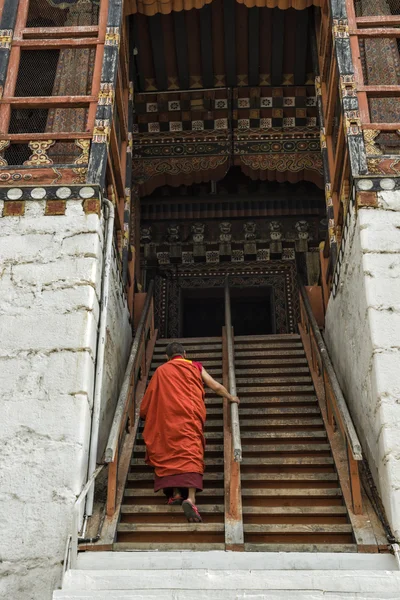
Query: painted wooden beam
[(302, 37), (181, 49), (104, 113), (128, 189), (254, 46), (278, 31), (8, 20), (157, 45), (206, 44), (230, 42)]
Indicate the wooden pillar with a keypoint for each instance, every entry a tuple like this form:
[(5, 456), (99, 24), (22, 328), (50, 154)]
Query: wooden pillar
[(104, 112)]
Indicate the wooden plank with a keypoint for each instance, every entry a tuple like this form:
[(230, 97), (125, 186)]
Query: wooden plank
[(49, 102), (274, 381), (385, 32), (60, 32), (380, 91), (254, 45), (166, 547), (300, 547), (286, 460), (373, 21), (295, 510), (170, 527), (28, 137), (278, 37), (279, 422), (206, 46), (276, 435), (143, 492), (230, 42), (283, 389), (289, 476), (292, 492), (382, 126), (288, 448), (129, 509), (280, 410), (297, 528), (57, 43), (157, 45), (181, 51), (302, 36)]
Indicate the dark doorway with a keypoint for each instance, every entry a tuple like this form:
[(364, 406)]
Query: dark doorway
[(203, 311)]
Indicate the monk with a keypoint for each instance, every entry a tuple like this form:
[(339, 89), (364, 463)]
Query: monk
[(174, 412)]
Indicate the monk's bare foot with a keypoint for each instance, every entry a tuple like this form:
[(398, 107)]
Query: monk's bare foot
[(191, 512)]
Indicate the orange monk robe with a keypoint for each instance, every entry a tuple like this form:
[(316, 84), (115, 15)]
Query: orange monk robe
[(174, 412)]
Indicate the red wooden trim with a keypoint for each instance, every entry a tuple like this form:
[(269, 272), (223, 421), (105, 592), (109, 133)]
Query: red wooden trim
[(59, 32), (49, 101), (332, 97), (57, 43), (382, 32), (28, 137), (381, 91), (9, 88), (103, 16), (374, 21), (382, 126), (351, 13), (22, 17)]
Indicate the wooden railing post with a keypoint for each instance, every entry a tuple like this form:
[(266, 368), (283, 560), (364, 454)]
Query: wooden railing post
[(112, 485), (234, 536), (355, 483)]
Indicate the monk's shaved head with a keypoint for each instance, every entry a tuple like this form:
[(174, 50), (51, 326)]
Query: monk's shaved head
[(174, 349)]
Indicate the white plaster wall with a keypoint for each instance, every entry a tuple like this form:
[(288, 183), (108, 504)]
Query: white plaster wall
[(363, 338), (118, 343), (50, 283)]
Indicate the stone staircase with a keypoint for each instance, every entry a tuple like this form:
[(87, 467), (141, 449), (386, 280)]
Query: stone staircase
[(298, 540), (291, 496), (231, 576)]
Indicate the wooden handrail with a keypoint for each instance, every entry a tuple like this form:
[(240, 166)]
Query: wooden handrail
[(350, 431), (136, 374), (336, 406), (236, 442), (137, 350)]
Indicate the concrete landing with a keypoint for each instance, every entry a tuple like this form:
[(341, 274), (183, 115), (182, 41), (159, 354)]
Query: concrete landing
[(231, 576)]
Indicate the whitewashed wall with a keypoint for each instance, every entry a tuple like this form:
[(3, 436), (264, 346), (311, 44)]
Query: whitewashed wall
[(363, 338), (50, 282), (118, 343)]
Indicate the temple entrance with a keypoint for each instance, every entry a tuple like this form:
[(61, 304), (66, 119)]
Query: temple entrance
[(203, 313)]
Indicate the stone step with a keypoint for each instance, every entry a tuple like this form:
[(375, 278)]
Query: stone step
[(331, 583), (238, 561)]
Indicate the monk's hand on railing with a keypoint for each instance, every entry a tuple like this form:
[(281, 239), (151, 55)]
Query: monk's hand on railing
[(234, 400)]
